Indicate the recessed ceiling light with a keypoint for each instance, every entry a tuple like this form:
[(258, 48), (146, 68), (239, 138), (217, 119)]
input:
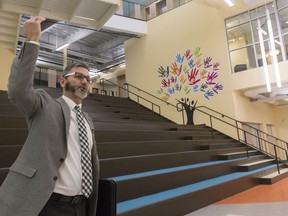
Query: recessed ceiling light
[(229, 2)]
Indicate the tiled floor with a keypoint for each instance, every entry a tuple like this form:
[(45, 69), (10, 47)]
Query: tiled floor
[(262, 200)]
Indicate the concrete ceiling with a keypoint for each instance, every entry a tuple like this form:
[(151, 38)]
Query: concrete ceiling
[(101, 49), (79, 23)]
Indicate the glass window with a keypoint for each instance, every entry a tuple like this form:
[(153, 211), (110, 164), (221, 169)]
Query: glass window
[(243, 59), (128, 9), (239, 36), (259, 55), (281, 3), (263, 25), (237, 20), (261, 11), (243, 38), (285, 38), (283, 18), (268, 53)]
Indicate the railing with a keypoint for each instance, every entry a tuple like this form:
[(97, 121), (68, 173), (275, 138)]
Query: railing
[(129, 86), (276, 151)]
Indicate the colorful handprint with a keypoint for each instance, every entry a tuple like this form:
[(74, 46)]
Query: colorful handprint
[(190, 73)]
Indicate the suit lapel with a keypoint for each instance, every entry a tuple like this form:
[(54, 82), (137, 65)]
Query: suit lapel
[(66, 113)]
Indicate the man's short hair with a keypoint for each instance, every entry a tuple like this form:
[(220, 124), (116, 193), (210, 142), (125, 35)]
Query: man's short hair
[(73, 65)]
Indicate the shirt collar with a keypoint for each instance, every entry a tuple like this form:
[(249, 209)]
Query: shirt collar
[(71, 104)]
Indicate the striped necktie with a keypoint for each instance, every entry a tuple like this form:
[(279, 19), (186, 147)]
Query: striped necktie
[(85, 154)]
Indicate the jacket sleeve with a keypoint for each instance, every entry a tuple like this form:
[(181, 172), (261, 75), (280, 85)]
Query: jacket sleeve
[(20, 84)]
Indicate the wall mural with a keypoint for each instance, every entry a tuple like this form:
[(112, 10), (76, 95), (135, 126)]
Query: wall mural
[(190, 73)]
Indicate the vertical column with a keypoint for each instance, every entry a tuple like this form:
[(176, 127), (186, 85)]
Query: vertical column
[(6, 59), (64, 57)]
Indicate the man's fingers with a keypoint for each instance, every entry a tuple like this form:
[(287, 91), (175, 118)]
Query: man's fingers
[(38, 19)]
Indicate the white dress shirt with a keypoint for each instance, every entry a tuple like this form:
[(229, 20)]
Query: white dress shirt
[(70, 173)]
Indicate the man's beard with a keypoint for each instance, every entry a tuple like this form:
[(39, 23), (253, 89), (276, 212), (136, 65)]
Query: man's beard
[(76, 91)]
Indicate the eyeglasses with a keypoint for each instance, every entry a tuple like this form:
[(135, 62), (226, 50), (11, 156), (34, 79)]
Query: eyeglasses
[(80, 76)]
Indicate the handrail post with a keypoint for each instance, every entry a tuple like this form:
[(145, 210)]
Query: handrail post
[(237, 128), (102, 82), (277, 162), (211, 125), (259, 143), (183, 120), (127, 90), (245, 140)]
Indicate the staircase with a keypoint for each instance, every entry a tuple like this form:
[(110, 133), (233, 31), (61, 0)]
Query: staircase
[(150, 165)]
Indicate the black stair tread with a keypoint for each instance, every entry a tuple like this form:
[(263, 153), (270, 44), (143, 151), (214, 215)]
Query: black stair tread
[(240, 152), (218, 141), (177, 168), (257, 162), (144, 201), (275, 174), (141, 163)]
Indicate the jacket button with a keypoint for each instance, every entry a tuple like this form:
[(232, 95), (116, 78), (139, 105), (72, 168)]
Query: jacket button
[(62, 160), (55, 178)]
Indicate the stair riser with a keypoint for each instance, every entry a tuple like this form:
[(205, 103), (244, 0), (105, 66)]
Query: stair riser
[(185, 204), (124, 166), (231, 157), (9, 109), (254, 167), (97, 109), (13, 136), (115, 116), (138, 187), (113, 150), (105, 125), (8, 155), (3, 174), (113, 136), (12, 122)]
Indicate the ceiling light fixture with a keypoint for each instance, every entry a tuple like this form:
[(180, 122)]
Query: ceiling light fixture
[(273, 49), (229, 2), (264, 61), (62, 47)]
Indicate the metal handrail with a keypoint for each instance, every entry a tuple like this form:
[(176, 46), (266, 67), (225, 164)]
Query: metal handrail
[(235, 124), (275, 147), (159, 99), (243, 123)]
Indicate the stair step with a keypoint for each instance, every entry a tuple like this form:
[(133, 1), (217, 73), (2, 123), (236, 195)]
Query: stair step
[(13, 136), (130, 125), (160, 202), (234, 155), (139, 184), (135, 164), (8, 154), (123, 135), (220, 145), (189, 127), (135, 148), (3, 173), (274, 177), (255, 165), (12, 121)]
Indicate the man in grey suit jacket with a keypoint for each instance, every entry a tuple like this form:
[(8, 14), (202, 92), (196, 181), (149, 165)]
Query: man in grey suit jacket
[(45, 179)]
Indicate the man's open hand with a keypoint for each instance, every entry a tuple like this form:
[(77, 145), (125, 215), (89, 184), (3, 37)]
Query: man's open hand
[(32, 28)]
